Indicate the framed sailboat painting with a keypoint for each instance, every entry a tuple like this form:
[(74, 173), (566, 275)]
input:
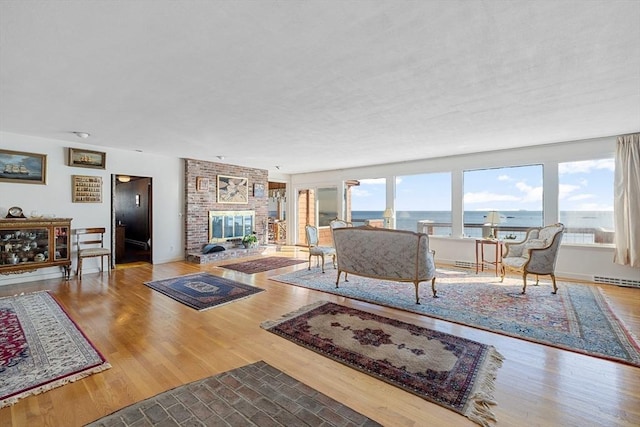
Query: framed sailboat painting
[(21, 167)]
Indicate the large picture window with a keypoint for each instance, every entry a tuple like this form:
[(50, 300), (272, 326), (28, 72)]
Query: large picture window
[(585, 200), (368, 200), (513, 193), (423, 203)]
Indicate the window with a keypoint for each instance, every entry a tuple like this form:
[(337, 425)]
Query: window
[(368, 200), (426, 200), (514, 192), (585, 200), (327, 199)]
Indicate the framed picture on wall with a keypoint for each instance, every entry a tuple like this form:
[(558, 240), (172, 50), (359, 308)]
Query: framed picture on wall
[(258, 190), (202, 183), (233, 189), (86, 189), (87, 158), (24, 168)]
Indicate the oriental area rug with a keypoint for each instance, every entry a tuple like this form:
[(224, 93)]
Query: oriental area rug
[(453, 372), (263, 264), (252, 395), (578, 318), (203, 290), (41, 348)]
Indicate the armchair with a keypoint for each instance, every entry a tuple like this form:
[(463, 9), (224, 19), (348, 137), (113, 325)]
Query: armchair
[(536, 254), (315, 250)]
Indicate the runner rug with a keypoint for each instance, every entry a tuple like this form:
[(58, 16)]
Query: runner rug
[(262, 264), (253, 395), (203, 290), (578, 318), (41, 348), (450, 371)]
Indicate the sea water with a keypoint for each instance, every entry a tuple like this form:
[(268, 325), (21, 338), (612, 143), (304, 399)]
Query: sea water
[(408, 220)]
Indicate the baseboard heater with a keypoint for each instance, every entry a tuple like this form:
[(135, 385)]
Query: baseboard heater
[(463, 264), (617, 281), (140, 243)]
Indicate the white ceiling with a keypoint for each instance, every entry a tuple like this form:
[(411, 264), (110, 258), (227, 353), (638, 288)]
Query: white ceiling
[(318, 85)]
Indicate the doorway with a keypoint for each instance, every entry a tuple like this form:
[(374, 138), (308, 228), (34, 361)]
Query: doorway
[(132, 219)]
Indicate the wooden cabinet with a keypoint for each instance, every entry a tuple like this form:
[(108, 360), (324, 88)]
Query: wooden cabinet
[(32, 243)]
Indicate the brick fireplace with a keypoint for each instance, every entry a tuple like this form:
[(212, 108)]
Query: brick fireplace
[(199, 203)]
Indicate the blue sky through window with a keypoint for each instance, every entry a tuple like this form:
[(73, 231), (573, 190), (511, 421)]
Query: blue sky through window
[(584, 186)]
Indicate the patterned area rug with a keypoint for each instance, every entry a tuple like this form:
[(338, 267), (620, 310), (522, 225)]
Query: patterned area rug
[(253, 395), (450, 371), (578, 318), (203, 290), (263, 264), (41, 348)]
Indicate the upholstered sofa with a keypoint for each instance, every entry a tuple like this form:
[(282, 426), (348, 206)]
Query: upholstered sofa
[(401, 256)]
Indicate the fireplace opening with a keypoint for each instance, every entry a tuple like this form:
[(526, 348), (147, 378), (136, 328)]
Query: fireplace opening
[(230, 225)]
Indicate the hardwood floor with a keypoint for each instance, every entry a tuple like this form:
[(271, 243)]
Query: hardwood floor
[(155, 343)]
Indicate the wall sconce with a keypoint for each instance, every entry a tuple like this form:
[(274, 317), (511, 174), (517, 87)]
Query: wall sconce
[(388, 214)]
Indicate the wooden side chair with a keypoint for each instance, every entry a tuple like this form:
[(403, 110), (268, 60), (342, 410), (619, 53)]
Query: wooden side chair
[(90, 244)]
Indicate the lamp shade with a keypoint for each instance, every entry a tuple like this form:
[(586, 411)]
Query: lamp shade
[(493, 218)]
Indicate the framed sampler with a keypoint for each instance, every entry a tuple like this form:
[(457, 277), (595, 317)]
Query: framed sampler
[(86, 189)]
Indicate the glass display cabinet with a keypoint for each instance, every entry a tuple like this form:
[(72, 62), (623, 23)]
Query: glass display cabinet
[(31, 243)]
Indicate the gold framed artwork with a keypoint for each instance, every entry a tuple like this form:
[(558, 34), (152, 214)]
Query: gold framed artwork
[(233, 189), (202, 183), (23, 168), (87, 158), (86, 189)]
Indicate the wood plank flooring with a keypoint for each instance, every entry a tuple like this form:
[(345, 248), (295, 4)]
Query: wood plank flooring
[(155, 343)]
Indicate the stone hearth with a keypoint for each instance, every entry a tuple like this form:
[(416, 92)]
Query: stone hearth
[(230, 253)]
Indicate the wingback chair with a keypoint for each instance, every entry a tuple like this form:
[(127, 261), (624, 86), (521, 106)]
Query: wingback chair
[(318, 251), (536, 254)]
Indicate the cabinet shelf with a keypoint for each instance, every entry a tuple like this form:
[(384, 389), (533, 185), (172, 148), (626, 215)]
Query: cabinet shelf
[(33, 243)]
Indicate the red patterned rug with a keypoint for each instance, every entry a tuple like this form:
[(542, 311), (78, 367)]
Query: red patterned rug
[(263, 264), (450, 371), (578, 318), (41, 348)]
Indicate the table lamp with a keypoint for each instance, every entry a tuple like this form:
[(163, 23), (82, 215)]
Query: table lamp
[(493, 218)]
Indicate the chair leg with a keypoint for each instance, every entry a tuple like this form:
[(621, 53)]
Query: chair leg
[(433, 287), (322, 256), (309, 262), (502, 273), (334, 262), (524, 280), (79, 272), (417, 285), (553, 280), (537, 279)]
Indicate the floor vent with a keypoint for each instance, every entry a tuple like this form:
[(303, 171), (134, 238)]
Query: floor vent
[(465, 264), (617, 281)]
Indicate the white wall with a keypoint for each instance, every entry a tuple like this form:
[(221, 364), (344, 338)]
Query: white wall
[(575, 261), (55, 197)]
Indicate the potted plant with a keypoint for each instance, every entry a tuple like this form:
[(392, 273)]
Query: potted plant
[(250, 240)]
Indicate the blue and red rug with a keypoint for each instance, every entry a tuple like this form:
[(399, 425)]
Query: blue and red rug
[(203, 290), (41, 348), (578, 318)]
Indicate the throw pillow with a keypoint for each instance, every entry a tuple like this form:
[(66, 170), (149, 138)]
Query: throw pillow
[(210, 248)]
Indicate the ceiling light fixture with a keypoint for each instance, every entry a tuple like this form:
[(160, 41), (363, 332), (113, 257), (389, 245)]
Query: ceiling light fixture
[(278, 167), (83, 135), (124, 178), (220, 157)]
